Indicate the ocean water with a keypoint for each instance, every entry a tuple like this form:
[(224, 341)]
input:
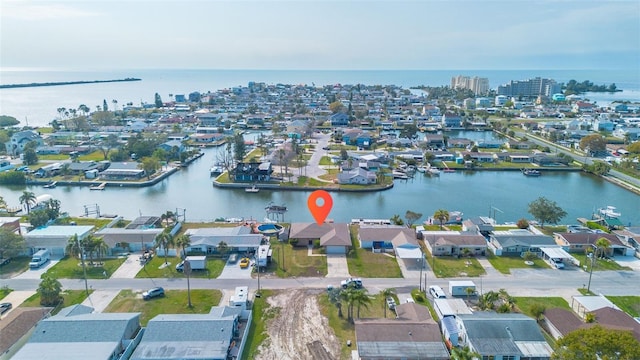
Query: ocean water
[(38, 106)]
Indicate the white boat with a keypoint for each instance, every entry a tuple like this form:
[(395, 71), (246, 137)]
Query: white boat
[(609, 212), (51, 185), (433, 171), (252, 189), (98, 187), (216, 170), (400, 175), (421, 169)]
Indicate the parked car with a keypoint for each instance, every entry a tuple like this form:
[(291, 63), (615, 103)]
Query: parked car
[(154, 292), (437, 292), (391, 303), (244, 263), (357, 283), (557, 263), (233, 258), (4, 307)]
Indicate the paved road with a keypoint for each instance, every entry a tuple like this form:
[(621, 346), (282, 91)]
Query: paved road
[(522, 283)]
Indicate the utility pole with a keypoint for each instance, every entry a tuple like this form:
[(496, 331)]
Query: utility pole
[(421, 267), (84, 268), (590, 272)]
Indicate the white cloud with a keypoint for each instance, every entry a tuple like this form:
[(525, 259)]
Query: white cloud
[(27, 10)]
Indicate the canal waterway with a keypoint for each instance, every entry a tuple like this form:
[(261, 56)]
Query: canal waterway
[(503, 194)]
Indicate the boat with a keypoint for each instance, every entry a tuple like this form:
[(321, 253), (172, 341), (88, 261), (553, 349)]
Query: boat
[(531, 172), (449, 170), (216, 170), (609, 212), (399, 175), (252, 189), (421, 169), (433, 171), (51, 185), (98, 187)]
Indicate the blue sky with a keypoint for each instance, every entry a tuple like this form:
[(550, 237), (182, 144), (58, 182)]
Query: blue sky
[(94, 34)]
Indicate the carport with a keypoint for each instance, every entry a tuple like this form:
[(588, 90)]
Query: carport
[(558, 253)]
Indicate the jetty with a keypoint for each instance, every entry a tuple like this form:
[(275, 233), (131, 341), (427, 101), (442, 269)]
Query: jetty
[(60, 83)]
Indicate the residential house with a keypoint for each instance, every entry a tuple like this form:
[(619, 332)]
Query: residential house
[(412, 335), (632, 133), (434, 141), (17, 327), (238, 239), (516, 242), (543, 159), (218, 335), (121, 240), (630, 236), (334, 237), (453, 243), (584, 304), (123, 171), (54, 238), (580, 242), (297, 127), (451, 120), (357, 176), (561, 322), (459, 143), (253, 172), (479, 225), (503, 336), (520, 145), (16, 143), (10, 223), (480, 157), (76, 331), (172, 145), (583, 107), (402, 240), (489, 144), (339, 119), (210, 120)]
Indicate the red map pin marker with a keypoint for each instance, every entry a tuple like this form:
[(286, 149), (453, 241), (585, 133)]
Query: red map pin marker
[(320, 212)]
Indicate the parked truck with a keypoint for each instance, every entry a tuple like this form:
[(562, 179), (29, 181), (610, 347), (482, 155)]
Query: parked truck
[(459, 288), (39, 258), (196, 262)]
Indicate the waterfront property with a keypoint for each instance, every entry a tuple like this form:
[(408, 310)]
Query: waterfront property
[(238, 239), (454, 243), (120, 240), (334, 237), (581, 242), (516, 242), (54, 238), (253, 172)]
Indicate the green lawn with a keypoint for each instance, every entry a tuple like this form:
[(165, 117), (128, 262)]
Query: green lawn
[(296, 261), (4, 291), (628, 304), (257, 332), (17, 265), (599, 264), (449, 266), (365, 263), (98, 223), (326, 160), (174, 302), (69, 297), (524, 303), (504, 264), (71, 268), (156, 269), (549, 229)]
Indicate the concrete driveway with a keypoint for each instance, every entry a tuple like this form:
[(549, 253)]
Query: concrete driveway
[(37, 273), (630, 261), (16, 298), (233, 271), (337, 266), (129, 268), (100, 299)]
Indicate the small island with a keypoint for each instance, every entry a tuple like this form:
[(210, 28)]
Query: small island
[(11, 86)]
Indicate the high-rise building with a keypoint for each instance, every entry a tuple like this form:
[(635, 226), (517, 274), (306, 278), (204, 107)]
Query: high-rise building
[(478, 85), (530, 88)]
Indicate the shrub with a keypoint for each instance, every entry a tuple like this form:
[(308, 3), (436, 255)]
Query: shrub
[(316, 243), (522, 224), (419, 298), (12, 178), (293, 242)]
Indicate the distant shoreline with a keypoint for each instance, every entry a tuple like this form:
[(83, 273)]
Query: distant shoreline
[(11, 86)]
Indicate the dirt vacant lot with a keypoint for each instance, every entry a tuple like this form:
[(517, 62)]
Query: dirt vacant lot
[(299, 331)]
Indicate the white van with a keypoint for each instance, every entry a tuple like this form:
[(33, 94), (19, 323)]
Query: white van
[(40, 258), (437, 292)]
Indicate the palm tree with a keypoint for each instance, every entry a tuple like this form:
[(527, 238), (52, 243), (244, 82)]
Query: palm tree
[(385, 294), (73, 246), (100, 247), (602, 244), (169, 215), (464, 353), (3, 204), (49, 290), (347, 296), (27, 199), (361, 299), (164, 240), (183, 241), (442, 216)]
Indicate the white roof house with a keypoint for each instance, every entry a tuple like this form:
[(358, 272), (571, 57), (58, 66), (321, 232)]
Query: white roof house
[(55, 238)]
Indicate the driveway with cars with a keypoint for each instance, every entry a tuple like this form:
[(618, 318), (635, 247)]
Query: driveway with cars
[(234, 271)]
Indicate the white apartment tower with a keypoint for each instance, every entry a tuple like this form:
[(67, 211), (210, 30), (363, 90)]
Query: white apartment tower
[(476, 84)]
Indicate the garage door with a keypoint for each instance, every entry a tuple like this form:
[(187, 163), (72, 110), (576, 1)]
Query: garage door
[(336, 250)]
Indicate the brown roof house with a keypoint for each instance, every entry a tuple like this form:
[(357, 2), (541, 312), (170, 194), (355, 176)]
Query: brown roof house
[(580, 242), (334, 237), (561, 322), (412, 335), (16, 328), (453, 243), (400, 239)]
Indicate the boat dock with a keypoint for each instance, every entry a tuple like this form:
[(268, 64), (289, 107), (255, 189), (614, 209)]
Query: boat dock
[(98, 186)]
